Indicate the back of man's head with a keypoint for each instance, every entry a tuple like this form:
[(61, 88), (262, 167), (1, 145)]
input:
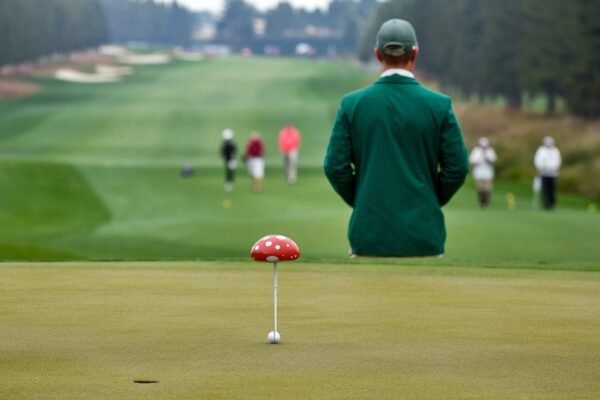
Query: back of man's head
[(227, 134), (397, 41), (548, 141)]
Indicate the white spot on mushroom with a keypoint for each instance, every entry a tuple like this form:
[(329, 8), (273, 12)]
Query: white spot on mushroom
[(280, 237), (287, 245), (257, 247), (272, 258), (277, 247), (269, 243)]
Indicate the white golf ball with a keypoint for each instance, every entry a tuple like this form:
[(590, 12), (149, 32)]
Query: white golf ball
[(273, 337)]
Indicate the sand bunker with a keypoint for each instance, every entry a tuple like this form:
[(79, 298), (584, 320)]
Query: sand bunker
[(113, 51), (71, 75), (113, 70), (144, 59), (124, 56), (104, 74), (188, 56)]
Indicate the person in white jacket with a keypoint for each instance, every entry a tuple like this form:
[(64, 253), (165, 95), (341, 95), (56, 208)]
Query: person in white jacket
[(482, 159), (547, 162)]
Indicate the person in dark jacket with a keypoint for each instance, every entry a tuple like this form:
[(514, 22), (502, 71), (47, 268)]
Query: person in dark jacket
[(396, 155), (228, 153)]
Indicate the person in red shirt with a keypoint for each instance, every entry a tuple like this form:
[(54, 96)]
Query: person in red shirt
[(254, 156), (289, 144)]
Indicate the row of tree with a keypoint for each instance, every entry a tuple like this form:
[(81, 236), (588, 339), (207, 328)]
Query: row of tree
[(490, 48), (148, 21), (341, 22), (30, 29)]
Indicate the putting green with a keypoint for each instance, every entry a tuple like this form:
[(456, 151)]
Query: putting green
[(88, 330)]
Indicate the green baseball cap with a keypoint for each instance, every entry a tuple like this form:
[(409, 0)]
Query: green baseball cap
[(396, 32)]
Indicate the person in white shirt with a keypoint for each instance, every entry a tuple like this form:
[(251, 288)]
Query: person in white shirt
[(482, 159), (547, 162)]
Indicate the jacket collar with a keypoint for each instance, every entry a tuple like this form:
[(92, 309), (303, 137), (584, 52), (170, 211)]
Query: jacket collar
[(397, 71), (397, 79)]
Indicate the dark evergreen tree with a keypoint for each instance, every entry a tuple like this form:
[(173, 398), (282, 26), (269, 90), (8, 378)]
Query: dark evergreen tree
[(148, 21), (582, 87), (30, 29), (548, 33), (465, 73), (279, 19), (502, 33), (237, 24)]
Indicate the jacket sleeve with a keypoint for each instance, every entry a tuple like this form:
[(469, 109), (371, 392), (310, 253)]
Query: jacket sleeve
[(454, 162), (223, 150), (339, 159), (475, 156)]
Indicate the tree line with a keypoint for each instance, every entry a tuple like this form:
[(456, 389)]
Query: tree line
[(341, 22), (486, 49), (148, 21), (30, 29), (507, 49)]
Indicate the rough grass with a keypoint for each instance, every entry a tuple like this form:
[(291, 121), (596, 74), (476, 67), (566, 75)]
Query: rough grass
[(88, 330), (517, 135)]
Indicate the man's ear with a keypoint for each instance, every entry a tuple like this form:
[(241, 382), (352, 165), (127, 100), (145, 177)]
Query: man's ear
[(378, 55), (415, 55)]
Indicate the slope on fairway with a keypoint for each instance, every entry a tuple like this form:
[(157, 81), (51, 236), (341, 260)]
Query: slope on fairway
[(171, 115), (92, 173), (88, 330), (59, 213)]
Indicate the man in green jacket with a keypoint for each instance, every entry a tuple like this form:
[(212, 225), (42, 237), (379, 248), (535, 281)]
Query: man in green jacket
[(396, 155)]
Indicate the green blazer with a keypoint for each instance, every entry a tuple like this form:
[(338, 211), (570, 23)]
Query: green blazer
[(396, 155)]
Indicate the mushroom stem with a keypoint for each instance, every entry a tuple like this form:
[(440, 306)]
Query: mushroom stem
[(275, 294)]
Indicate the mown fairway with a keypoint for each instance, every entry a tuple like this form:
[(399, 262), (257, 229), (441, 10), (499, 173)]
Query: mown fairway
[(91, 173)]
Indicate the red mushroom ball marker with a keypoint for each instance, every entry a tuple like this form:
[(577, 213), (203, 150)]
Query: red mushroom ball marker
[(275, 248)]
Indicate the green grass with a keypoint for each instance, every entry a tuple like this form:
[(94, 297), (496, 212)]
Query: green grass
[(170, 115), (88, 330), (91, 173), (123, 213)]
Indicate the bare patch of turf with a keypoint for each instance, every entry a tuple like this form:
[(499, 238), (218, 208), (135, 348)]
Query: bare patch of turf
[(10, 89)]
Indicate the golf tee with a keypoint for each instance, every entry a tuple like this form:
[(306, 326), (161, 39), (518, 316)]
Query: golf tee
[(275, 294)]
